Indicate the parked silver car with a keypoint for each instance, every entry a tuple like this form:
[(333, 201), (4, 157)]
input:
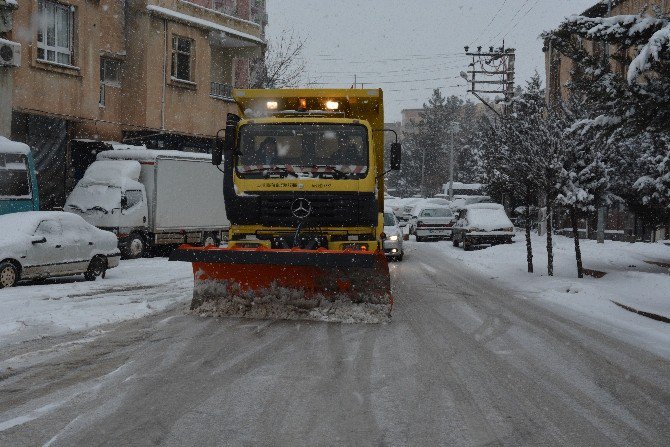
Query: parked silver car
[(43, 244), (433, 222)]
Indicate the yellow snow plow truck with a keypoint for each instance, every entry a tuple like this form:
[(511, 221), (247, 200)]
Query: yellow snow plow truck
[(303, 187)]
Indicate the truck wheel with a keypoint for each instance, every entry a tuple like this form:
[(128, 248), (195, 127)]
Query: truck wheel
[(97, 267), (9, 275), (136, 247)]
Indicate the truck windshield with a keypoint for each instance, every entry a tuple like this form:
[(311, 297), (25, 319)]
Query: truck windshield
[(14, 177), (303, 150)]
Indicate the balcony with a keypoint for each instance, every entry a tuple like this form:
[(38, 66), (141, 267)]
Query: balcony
[(221, 91)]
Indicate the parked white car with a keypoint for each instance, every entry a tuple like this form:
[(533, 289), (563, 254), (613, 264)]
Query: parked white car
[(433, 222), (482, 224), (394, 237), (43, 244)]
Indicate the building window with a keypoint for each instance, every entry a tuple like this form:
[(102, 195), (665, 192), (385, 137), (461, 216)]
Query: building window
[(182, 58), (110, 71), (110, 75), (54, 33)]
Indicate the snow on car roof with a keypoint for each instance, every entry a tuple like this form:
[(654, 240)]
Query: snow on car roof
[(8, 146), (484, 206), (25, 222), (141, 153)]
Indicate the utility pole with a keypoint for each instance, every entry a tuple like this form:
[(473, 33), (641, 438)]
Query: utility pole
[(600, 232), (491, 72), (423, 171), (454, 128)]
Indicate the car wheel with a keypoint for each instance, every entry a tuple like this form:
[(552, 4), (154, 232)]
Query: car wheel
[(9, 275), (456, 242), (97, 267), (419, 239), (136, 247), (467, 246), (399, 258)]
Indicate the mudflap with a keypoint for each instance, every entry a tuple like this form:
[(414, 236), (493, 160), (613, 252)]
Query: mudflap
[(324, 285)]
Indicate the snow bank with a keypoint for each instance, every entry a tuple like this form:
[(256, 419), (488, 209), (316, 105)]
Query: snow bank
[(133, 290), (630, 280)]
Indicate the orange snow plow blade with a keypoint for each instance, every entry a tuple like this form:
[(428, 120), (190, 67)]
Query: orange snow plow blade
[(325, 285)]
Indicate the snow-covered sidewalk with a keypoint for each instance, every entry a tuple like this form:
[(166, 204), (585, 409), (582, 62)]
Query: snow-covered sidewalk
[(134, 289), (633, 278)]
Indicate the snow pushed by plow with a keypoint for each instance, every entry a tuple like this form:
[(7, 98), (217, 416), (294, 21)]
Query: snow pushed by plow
[(220, 298)]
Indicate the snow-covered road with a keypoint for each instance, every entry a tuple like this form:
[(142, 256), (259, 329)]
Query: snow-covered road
[(464, 362)]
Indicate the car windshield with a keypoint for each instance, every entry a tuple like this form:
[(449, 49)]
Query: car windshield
[(303, 150), (14, 177), (436, 212), (389, 220)]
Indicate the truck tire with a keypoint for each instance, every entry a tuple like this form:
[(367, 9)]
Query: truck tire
[(9, 274), (97, 267), (136, 247)]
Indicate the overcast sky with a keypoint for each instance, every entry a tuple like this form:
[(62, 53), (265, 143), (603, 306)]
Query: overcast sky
[(410, 47)]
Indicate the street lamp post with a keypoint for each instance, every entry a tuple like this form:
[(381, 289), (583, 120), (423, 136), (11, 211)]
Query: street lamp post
[(454, 128)]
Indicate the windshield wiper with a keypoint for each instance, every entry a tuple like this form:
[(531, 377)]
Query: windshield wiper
[(99, 208), (331, 170), (269, 171)]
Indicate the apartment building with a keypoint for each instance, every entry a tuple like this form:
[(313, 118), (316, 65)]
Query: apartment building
[(155, 72), (559, 68)]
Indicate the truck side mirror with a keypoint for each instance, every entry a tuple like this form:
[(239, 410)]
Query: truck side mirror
[(230, 137), (217, 151), (396, 156)]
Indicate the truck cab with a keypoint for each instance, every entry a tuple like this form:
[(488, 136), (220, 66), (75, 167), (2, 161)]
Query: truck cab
[(307, 170), (18, 180)]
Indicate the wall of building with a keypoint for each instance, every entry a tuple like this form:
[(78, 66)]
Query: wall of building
[(47, 96)]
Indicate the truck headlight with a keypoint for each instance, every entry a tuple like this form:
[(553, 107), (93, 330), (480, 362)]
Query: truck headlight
[(393, 238)]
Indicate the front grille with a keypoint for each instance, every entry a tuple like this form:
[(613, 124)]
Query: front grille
[(344, 209)]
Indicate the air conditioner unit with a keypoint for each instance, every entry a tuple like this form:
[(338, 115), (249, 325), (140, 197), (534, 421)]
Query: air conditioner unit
[(10, 53)]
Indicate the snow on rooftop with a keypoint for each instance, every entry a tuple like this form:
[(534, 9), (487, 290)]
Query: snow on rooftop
[(141, 153), (165, 12), (8, 146)]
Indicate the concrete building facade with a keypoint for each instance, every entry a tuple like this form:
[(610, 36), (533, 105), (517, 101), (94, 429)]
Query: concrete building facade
[(154, 72)]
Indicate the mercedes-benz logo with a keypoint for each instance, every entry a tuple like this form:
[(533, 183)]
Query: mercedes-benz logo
[(301, 208)]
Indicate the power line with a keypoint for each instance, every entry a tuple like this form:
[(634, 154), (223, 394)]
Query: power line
[(509, 25), (406, 81), (537, 2), (489, 24)]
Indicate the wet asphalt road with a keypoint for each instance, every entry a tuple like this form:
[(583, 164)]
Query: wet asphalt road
[(462, 363)]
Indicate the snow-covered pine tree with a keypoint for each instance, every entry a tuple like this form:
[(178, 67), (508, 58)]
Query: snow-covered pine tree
[(628, 115)]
